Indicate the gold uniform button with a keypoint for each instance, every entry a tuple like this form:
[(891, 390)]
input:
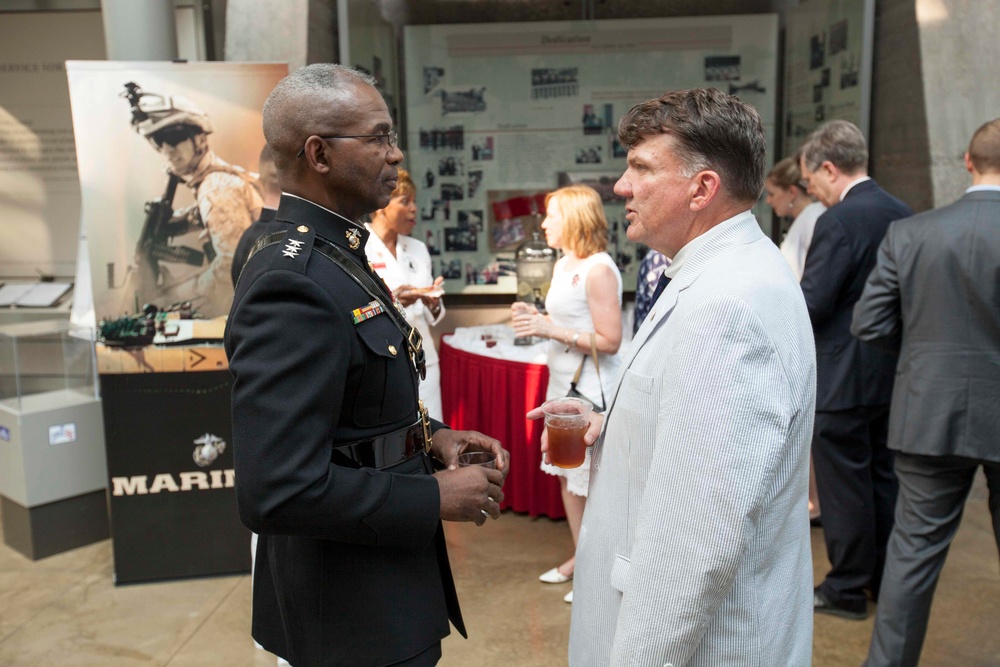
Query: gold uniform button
[(392, 350), (302, 228)]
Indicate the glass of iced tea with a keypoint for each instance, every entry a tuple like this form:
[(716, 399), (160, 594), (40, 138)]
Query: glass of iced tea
[(566, 422)]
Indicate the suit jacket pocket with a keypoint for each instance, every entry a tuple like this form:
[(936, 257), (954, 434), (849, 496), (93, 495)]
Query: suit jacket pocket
[(632, 435), (643, 384), (619, 573), (387, 373)]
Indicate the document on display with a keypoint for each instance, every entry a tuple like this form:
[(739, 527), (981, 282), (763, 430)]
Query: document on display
[(33, 295)]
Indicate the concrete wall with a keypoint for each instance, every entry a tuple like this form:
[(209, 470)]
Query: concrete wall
[(960, 52), (899, 141), (324, 45), (935, 81), (267, 31)]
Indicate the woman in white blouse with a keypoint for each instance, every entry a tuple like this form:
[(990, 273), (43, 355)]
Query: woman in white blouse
[(405, 265)]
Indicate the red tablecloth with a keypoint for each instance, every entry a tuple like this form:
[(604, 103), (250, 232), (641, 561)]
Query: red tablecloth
[(492, 396)]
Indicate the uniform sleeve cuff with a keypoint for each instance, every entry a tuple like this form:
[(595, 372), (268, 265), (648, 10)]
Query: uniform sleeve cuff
[(410, 515)]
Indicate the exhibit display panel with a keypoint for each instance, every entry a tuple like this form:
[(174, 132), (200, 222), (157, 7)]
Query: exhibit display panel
[(163, 212), (52, 456), (166, 392), (170, 463), (499, 114), (828, 66), (39, 186), (167, 156)]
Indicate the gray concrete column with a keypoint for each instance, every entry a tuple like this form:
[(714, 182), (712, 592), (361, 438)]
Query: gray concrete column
[(324, 44), (935, 83), (960, 51), (139, 29), (898, 138), (268, 31)]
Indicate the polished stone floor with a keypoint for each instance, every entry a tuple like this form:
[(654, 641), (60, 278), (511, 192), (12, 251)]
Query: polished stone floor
[(64, 610)]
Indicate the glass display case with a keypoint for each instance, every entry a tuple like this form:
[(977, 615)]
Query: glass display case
[(45, 363), (53, 472)]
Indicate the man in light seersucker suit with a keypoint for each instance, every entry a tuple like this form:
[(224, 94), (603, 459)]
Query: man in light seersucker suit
[(934, 298), (694, 548)]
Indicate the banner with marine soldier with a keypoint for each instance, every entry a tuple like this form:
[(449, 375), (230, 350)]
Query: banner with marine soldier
[(167, 156)]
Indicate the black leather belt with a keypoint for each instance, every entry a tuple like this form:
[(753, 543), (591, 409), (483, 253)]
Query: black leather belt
[(381, 451)]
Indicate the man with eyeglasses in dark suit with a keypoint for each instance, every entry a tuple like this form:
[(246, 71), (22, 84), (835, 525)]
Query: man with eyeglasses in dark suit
[(854, 476), (334, 455)]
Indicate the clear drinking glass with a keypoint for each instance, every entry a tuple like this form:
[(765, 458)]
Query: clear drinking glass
[(484, 459)]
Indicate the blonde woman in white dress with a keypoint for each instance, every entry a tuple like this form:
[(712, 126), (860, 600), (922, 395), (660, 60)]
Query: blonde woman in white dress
[(405, 265), (583, 303)]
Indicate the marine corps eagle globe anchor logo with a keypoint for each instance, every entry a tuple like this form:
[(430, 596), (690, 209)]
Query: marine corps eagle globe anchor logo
[(208, 449)]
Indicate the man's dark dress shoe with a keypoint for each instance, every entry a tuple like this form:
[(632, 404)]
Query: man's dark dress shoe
[(856, 610)]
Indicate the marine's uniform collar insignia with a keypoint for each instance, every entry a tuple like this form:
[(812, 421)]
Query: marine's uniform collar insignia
[(328, 224), (353, 237)]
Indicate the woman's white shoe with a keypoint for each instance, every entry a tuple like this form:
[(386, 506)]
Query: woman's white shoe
[(569, 597), (554, 576)]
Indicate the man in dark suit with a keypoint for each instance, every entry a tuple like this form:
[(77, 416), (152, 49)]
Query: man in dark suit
[(934, 297), (266, 223), (854, 477), (332, 453)]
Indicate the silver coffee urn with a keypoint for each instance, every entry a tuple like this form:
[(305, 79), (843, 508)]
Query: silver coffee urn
[(535, 261)]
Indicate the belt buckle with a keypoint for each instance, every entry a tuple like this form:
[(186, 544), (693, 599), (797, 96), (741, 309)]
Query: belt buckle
[(414, 341), (425, 421)]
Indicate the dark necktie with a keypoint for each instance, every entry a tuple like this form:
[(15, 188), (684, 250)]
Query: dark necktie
[(661, 285)]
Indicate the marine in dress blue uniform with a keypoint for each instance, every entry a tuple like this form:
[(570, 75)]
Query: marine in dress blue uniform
[(331, 470)]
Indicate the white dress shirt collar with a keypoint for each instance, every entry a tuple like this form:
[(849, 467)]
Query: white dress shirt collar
[(983, 188), (692, 246), (850, 185)]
